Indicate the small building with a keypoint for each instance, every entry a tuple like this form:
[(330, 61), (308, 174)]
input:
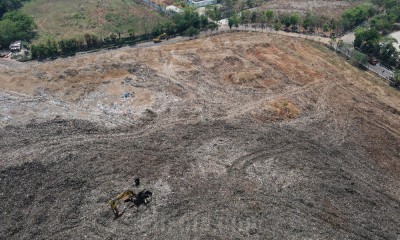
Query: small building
[(201, 3), (16, 46), (173, 8)]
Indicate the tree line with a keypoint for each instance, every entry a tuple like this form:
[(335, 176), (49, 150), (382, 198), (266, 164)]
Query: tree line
[(68, 47), (378, 18), (307, 23), (14, 24), (372, 40), (188, 23), (10, 5)]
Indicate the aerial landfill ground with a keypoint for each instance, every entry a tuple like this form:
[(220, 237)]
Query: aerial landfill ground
[(238, 136)]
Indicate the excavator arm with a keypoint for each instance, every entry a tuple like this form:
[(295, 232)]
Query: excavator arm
[(125, 196)]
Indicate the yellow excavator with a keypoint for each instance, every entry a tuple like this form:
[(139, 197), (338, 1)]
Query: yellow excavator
[(142, 198), (125, 196), (159, 38)]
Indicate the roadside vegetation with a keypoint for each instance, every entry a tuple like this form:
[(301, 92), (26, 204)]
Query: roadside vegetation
[(307, 23), (396, 80), (10, 5), (373, 21), (372, 38), (377, 19), (188, 23), (14, 24)]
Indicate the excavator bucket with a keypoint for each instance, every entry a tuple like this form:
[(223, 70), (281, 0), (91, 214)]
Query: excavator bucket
[(125, 196)]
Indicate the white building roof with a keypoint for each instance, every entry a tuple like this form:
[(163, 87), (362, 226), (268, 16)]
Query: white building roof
[(173, 8)]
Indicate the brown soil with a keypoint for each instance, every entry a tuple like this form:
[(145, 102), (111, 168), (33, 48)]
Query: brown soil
[(240, 135)]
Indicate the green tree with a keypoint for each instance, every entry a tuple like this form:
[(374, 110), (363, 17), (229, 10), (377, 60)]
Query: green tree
[(294, 20), (233, 21), (277, 26), (157, 30), (309, 22), (42, 51), (34, 52), (396, 79), (367, 40), (388, 53), (229, 6), (9, 5), (113, 38), (189, 18), (16, 25), (170, 28), (244, 18), (212, 26), (325, 27), (360, 58), (51, 48), (286, 21), (356, 15), (395, 12), (263, 20), (250, 3), (379, 3), (192, 32), (213, 12), (383, 23), (68, 47), (131, 33), (253, 17), (270, 15), (333, 25), (340, 44)]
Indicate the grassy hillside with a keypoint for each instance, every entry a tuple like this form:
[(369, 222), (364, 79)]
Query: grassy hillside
[(327, 8), (59, 18)]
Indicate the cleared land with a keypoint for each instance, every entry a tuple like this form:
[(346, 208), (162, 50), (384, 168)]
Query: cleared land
[(239, 135), (319, 7), (63, 19)]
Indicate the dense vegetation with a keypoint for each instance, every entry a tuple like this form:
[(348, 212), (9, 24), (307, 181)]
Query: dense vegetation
[(188, 23), (308, 22), (371, 39), (10, 5), (15, 25), (380, 14), (378, 19)]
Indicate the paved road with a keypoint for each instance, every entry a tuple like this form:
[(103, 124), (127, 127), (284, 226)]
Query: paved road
[(382, 71)]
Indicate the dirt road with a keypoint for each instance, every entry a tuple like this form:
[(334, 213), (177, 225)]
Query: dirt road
[(348, 39), (238, 136)]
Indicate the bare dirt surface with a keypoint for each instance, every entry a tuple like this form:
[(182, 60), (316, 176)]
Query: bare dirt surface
[(238, 136)]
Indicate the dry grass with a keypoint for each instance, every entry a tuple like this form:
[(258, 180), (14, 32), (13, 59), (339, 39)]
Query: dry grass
[(284, 109), (61, 19), (319, 7)]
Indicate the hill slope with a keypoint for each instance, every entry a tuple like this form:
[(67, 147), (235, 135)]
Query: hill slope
[(327, 8), (238, 135), (60, 19)]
